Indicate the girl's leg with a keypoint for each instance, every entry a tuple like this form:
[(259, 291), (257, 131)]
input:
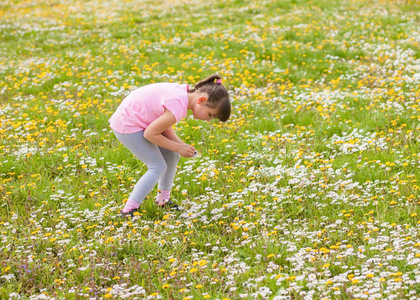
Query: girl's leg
[(150, 155), (165, 183), (171, 159)]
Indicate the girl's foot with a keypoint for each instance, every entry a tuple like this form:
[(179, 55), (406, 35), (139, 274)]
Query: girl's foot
[(167, 203), (131, 214)]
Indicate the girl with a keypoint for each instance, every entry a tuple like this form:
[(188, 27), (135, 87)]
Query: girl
[(143, 123)]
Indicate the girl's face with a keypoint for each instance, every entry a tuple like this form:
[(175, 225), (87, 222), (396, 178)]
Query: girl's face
[(202, 112)]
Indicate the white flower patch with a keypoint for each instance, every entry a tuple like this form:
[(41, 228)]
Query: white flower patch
[(124, 292), (356, 141), (8, 277), (25, 150), (14, 296)]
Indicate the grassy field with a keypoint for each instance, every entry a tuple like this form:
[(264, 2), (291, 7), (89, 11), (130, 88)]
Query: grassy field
[(309, 191)]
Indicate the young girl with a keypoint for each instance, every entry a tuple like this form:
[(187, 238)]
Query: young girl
[(143, 123)]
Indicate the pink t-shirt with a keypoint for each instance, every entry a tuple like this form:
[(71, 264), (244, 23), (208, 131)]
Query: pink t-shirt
[(144, 105)]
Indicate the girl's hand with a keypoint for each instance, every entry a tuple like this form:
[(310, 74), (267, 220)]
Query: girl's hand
[(186, 150)]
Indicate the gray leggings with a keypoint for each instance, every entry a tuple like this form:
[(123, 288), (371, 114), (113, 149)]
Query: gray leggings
[(161, 164)]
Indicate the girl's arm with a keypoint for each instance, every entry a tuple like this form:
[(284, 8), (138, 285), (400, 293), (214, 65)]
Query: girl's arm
[(170, 134), (154, 134)]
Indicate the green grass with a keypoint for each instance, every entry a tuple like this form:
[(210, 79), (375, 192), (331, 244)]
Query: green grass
[(313, 178)]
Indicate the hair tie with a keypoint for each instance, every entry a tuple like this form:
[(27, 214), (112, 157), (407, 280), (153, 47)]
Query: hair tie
[(219, 81)]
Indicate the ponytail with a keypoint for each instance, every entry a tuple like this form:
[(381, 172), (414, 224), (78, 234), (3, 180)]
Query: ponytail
[(218, 95), (210, 79)]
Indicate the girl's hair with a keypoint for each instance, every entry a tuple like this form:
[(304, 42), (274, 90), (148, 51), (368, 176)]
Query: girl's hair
[(218, 95)]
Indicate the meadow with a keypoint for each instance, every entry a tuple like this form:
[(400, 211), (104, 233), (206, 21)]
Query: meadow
[(309, 191)]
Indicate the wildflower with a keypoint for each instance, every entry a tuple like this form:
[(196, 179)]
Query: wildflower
[(311, 277)]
